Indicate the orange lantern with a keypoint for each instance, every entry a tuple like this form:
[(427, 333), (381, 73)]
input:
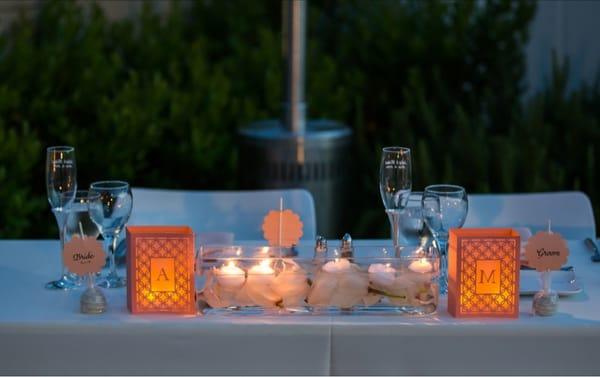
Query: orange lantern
[(483, 272), (160, 269)]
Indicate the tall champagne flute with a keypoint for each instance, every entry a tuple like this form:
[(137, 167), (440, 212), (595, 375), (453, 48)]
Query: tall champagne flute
[(395, 185), (444, 207), (110, 211), (61, 185)]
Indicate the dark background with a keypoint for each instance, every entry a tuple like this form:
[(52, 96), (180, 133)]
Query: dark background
[(156, 99)]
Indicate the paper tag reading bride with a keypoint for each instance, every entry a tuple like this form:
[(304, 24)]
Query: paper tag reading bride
[(546, 251), (282, 228), (84, 255)]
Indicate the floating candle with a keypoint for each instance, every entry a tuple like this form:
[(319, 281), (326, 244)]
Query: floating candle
[(337, 265), (262, 268), (230, 275), (422, 266), (382, 274), (261, 273)]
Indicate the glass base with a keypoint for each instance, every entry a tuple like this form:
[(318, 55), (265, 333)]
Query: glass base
[(112, 281), (65, 282), (405, 310)]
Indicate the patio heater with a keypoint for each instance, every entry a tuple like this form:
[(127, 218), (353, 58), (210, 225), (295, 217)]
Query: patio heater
[(295, 152)]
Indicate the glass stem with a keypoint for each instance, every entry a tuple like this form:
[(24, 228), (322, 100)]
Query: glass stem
[(442, 244), (112, 247), (394, 216), (61, 218)]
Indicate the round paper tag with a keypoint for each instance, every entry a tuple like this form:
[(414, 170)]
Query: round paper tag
[(282, 228), (84, 255), (546, 251)]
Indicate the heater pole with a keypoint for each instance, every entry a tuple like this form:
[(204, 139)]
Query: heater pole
[(294, 51)]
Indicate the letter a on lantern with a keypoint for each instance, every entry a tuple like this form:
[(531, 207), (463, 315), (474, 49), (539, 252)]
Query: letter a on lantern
[(160, 269)]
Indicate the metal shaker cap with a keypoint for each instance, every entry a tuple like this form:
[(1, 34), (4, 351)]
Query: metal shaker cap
[(347, 248), (320, 246)]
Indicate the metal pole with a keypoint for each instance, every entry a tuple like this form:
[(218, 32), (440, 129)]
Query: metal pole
[(294, 43)]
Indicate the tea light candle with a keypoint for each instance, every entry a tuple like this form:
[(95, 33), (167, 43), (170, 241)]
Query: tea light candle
[(262, 272), (421, 266), (382, 274), (338, 265), (230, 275)]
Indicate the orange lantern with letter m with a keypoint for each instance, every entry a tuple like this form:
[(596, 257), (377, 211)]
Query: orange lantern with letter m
[(160, 269), (483, 272)]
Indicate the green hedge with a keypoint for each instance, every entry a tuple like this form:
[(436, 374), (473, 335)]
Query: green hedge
[(156, 100)]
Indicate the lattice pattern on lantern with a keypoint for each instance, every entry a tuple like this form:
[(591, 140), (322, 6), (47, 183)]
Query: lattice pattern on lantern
[(162, 281), (161, 270), (485, 292), (484, 273)]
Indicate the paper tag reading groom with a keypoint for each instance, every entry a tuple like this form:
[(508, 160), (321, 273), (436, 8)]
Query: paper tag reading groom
[(84, 255), (546, 251)]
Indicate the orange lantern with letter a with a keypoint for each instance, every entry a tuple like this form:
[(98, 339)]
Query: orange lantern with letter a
[(483, 272), (160, 269)]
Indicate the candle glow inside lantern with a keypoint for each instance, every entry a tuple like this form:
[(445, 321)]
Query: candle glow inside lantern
[(160, 269), (483, 272)]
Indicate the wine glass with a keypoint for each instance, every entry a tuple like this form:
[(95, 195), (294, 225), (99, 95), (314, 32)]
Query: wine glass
[(395, 185), (444, 207), (61, 185), (110, 211)]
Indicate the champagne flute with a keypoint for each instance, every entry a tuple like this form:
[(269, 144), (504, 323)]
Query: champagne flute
[(110, 211), (444, 207), (61, 185), (395, 185)]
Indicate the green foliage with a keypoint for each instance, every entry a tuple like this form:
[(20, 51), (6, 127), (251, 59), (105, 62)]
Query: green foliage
[(157, 99)]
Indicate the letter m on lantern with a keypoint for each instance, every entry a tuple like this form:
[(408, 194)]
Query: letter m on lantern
[(487, 276), (483, 272)]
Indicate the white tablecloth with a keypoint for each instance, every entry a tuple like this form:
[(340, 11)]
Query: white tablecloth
[(43, 332)]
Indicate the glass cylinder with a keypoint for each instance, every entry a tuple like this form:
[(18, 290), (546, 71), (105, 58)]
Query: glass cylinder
[(374, 280)]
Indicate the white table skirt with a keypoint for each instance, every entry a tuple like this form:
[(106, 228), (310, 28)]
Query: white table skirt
[(42, 332)]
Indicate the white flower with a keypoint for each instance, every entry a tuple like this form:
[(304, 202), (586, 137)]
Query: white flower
[(382, 275), (291, 284), (340, 284)]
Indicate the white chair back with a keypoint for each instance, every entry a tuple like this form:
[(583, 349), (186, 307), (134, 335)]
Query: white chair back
[(238, 212), (570, 212)]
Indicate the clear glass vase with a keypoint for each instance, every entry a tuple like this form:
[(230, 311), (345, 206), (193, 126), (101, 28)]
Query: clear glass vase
[(373, 279)]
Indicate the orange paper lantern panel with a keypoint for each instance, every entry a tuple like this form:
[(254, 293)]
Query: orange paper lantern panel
[(160, 269), (483, 272)]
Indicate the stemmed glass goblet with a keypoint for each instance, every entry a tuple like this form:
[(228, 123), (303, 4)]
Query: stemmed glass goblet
[(110, 211), (61, 185), (444, 207), (395, 185)]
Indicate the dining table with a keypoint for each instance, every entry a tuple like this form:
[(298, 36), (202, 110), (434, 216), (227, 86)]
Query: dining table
[(44, 332)]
